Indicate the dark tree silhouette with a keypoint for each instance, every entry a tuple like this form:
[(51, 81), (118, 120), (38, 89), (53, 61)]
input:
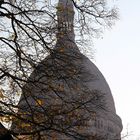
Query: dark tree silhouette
[(4, 133)]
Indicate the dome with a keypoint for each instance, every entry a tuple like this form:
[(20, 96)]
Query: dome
[(66, 78), (66, 94)]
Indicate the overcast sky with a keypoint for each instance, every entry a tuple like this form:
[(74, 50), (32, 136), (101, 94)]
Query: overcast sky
[(118, 58)]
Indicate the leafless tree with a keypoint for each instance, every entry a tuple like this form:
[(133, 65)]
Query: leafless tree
[(31, 66)]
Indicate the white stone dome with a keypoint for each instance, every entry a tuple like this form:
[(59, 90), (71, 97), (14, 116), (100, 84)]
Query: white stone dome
[(105, 124), (67, 79)]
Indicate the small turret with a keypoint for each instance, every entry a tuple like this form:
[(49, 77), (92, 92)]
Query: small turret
[(65, 15)]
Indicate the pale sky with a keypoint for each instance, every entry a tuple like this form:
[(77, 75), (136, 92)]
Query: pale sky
[(118, 58)]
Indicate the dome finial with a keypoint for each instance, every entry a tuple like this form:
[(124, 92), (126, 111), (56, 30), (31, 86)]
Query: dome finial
[(65, 15)]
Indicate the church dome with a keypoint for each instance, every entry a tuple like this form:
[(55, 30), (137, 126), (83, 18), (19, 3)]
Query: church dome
[(70, 77), (66, 94)]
